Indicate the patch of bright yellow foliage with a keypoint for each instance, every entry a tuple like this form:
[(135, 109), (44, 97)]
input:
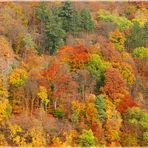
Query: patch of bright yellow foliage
[(127, 73), (18, 77)]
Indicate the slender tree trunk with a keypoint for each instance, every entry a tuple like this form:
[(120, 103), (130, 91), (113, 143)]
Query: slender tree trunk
[(41, 111), (83, 92), (46, 110), (55, 104), (31, 110), (26, 108)]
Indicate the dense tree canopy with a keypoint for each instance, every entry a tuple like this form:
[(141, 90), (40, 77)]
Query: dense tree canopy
[(73, 74)]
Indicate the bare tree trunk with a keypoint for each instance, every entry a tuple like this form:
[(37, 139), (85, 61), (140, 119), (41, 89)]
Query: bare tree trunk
[(55, 104), (26, 108), (41, 111), (31, 109)]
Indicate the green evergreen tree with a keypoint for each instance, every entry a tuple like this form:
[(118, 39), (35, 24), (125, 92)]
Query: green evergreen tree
[(87, 22), (54, 32), (100, 105), (66, 13), (75, 23), (70, 18), (52, 27)]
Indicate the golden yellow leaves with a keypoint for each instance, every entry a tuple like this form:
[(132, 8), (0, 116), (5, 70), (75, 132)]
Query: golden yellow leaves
[(127, 73), (19, 136), (5, 109), (118, 39), (43, 95), (5, 48), (18, 77), (3, 90), (3, 141)]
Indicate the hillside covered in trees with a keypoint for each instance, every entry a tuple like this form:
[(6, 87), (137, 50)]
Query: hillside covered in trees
[(74, 74)]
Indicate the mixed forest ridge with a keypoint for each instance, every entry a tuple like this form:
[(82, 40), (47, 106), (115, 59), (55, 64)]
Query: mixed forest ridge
[(74, 74)]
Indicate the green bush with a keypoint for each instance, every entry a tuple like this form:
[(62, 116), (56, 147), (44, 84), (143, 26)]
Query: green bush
[(140, 52), (87, 139), (58, 113), (120, 21)]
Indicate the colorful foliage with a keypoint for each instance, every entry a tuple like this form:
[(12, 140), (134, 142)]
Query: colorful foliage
[(43, 95), (73, 76), (129, 140), (5, 109), (113, 126), (3, 141), (59, 82), (77, 110), (5, 48), (91, 113), (87, 138), (118, 40), (127, 73), (18, 77), (37, 136), (140, 52), (76, 56), (108, 52), (97, 66), (115, 86), (126, 103), (57, 142), (70, 138), (3, 89), (138, 116), (141, 17), (120, 21), (15, 135), (110, 108)]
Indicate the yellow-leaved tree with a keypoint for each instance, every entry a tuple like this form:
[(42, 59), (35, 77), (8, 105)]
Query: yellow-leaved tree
[(5, 108), (17, 80)]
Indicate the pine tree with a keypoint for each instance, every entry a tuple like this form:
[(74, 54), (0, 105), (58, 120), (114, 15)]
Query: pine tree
[(87, 23), (52, 27), (70, 18)]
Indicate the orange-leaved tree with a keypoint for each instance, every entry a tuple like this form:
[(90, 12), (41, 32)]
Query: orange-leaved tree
[(115, 87), (76, 56), (60, 82)]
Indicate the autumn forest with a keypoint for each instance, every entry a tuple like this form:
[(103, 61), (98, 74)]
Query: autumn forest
[(74, 74)]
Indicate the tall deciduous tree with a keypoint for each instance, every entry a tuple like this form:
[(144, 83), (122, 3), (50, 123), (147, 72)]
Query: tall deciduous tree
[(76, 56), (87, 138), (97, 66), (118, 40), (17, 80), (60, 83), (115, 86), (5, 107)]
